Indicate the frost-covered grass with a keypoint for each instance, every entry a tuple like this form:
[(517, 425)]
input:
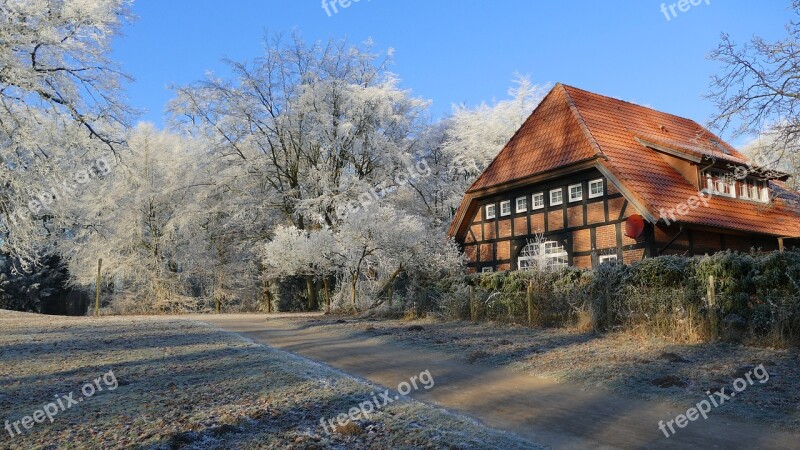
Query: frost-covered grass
[(188, 385)]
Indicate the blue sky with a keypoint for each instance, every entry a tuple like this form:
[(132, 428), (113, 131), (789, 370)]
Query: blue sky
[(465, 51)]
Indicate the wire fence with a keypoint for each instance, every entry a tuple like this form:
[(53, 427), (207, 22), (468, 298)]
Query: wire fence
[(675, 313)]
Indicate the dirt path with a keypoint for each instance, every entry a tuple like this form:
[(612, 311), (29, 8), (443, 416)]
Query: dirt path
[(556, 414)]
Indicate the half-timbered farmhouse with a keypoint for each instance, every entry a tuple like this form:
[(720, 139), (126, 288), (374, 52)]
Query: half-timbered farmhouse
[(589, 179)]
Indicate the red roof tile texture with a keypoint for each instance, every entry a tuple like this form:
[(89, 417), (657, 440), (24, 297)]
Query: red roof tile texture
[(550, 138), (573, 125)]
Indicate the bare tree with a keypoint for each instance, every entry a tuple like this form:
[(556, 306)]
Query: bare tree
[(758, 93)]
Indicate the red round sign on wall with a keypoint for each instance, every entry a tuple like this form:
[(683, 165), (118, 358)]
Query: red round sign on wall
[(634, 226)]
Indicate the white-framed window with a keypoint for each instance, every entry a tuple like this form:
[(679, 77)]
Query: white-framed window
[(505, 208), (549, 255), (764, 192), (556, 197), (725, 184), (744, 189), (537, 200), (607, 258), (522, 204), (490, 211), (576, 192), (596, 188), (487, 269), (721, 183), (756, 190)]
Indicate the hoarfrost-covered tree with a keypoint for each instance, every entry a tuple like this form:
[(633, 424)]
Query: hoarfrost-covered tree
[(303, 131), (148, 228), (476, 135), (59, 104), (292, 251), (311, 127)]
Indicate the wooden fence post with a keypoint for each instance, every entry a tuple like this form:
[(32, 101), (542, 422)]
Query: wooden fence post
[(97, 289), (712, 306), (217, 302), (472, 312), (530, 303)]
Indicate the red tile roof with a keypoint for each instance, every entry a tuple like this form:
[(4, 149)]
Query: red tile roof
[(572, 125), (550, 138)]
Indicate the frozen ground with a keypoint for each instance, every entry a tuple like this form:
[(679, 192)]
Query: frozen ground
[(183, 384)]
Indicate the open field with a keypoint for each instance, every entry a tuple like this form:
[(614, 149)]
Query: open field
[(183, 384)]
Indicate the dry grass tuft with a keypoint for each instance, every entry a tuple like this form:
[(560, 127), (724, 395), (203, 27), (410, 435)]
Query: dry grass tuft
[(349, 429)]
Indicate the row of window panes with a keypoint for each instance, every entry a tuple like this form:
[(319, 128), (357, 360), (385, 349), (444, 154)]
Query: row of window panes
[(556, 198), (556, 258), (549, 255), (721, 183)]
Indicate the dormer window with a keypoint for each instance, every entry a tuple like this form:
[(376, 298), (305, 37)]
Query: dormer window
[(755, 190), (721, 183), (725, 184)]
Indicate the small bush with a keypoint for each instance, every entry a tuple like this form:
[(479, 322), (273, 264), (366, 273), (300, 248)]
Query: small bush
[(289, 294)]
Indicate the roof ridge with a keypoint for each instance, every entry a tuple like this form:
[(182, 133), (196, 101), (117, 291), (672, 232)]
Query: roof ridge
[(637, 105), (581, 122), (625, 101)]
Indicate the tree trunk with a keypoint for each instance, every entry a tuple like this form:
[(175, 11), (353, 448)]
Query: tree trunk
[(354, 286), (388, 288), (311, 287), (268, 299), (217, 302), (97, 289), (712, 306), (326, 282)]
